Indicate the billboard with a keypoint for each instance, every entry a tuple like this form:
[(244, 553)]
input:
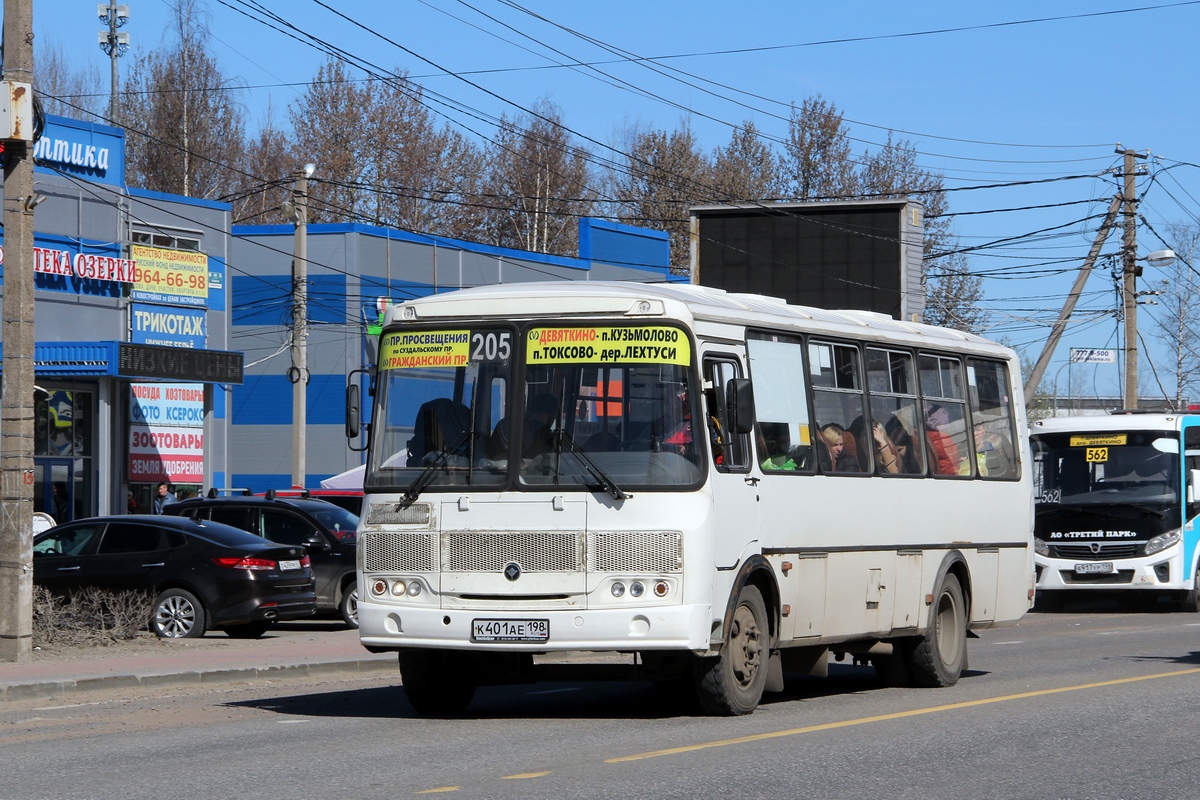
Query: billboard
[(846, 255)]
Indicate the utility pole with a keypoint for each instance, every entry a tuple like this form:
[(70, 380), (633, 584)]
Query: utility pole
[(16, 405), (298, 373), (1039, 369), (1130, 272), (114, 45)]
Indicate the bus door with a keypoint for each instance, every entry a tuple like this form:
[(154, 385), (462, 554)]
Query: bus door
[(734, 489), (1191, 476)]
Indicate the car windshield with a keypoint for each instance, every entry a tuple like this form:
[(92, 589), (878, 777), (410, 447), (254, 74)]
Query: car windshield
[(596, 408), (337, 521), (1106, 468)]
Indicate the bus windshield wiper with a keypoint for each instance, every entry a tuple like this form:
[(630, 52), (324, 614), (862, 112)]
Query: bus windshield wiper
[(426, 477), (601, 477)]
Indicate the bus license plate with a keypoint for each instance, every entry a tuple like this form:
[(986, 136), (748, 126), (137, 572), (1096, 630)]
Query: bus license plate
[(510, 630), (1095, 568)]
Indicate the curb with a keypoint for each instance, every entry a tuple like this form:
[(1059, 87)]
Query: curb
[(63, 688)]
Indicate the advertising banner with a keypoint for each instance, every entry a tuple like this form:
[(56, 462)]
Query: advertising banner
[(166, 432), (177, 277), (158, 453), (172, 326)]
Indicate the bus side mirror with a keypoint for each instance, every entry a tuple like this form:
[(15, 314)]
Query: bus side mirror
[(739, 397), (353, 411)]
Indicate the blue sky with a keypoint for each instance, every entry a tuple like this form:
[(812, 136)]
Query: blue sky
[(988, 93)]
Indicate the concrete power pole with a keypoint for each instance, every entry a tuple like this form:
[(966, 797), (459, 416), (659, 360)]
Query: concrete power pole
[(16, 405), (298, 374), (114, 46), (1039, 369), (1130, 272)]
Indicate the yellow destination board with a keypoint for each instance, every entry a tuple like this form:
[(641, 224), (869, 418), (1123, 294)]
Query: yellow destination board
[(650, 344), (1099, 440), (425, 349), (1096, 455)]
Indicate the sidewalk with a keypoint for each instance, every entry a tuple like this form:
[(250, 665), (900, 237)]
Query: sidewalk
[(213, 658)]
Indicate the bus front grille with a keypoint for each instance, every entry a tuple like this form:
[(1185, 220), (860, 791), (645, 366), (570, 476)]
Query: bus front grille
[(656, 552), (635, 551), (534, 551), (391, 551), (1084, 552)]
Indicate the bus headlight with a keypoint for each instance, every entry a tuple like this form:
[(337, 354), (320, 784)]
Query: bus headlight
[(1162, 541), (1041, 548)]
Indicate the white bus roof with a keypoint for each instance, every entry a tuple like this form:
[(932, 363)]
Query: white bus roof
[(678, 301), (1107, 422)]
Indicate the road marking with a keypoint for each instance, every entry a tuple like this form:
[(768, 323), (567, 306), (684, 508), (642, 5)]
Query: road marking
[(1014, 641), (524, 776), (292, 721), (440, 790), (759, 737)]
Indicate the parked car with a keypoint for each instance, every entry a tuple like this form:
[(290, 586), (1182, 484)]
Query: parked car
[(316, 525), (348, 499), (204, 575)]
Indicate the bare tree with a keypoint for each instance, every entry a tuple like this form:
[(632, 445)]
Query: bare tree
[(538, 184), (817, 162), (185, 128), (1176, 325), (263, 186), (746, 169), (952, 293), (65, 90), (665, 174)]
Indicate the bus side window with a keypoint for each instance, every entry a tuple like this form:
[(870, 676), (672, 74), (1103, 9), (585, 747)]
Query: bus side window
[(783, 429), (841, 435), (730, 452)]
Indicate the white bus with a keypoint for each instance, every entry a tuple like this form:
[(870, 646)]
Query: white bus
[(712, 488), (1116, 506)]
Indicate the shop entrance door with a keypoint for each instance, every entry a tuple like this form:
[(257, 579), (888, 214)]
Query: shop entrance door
[(54, 484)]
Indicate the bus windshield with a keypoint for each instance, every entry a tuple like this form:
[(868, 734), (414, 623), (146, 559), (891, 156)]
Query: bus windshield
[(1139, 468), (590, 408)]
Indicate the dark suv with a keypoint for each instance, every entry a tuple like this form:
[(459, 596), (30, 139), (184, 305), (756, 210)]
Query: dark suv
[(323, 529)]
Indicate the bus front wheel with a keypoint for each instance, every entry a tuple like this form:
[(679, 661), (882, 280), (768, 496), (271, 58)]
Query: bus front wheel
[(438, 683), (732, 683), (937, 658), (1190, 602)]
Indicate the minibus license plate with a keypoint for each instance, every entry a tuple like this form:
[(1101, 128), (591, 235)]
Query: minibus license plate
[(289, 565), (1094, 568), (510, 630)]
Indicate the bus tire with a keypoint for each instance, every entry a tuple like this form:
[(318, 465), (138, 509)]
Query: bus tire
[(732, 683), (438, 683), (1190, 601), (937, 658)]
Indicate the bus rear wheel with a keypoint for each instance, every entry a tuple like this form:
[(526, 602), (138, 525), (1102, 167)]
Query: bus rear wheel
[(732, 683), (438, 683), (937, 658)]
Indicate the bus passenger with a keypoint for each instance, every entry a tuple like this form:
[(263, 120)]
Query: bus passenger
[(832, 454)]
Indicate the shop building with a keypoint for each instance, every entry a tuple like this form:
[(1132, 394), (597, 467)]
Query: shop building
[(133, 360)]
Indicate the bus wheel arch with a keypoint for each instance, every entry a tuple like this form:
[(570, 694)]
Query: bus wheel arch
[(939, 655), (732, 682)]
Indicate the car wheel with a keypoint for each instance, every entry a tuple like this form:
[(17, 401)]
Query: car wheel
[(348, 608), (249, 630), (178, 615)]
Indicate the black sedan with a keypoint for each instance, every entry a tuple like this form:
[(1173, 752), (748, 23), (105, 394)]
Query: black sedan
[(204, 575)]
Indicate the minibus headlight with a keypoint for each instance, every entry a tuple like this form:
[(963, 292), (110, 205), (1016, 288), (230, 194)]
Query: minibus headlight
[(1162, 541), (1041, 548), (379, 587), (414, 588), (399, 588), (636, 589), (618, 589)]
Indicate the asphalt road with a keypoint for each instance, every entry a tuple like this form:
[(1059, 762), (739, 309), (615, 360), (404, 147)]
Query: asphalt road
[(1095, 702)]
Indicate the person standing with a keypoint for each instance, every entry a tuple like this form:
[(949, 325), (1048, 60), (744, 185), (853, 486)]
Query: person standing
[(163, 498)]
